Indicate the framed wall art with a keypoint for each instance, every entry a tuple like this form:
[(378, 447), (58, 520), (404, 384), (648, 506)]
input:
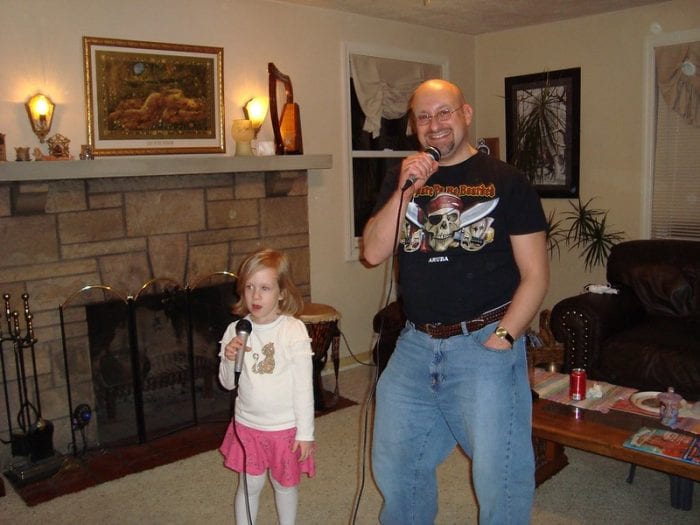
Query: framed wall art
[(149, 98), (542, 129)]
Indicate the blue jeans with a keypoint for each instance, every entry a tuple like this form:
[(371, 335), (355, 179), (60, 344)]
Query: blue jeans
[(436, 393)]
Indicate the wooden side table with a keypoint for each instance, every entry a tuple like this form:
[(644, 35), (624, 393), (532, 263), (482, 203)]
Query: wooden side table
[(549, 459), (549, 456), (551, 351)]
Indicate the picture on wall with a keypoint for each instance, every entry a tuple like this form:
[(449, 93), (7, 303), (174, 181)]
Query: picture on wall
[(147, 98), (542, 129)]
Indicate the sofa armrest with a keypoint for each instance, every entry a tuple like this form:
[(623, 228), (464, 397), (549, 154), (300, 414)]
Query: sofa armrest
[(584, 321)]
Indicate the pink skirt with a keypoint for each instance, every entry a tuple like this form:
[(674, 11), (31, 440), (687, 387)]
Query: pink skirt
[(264, 450)]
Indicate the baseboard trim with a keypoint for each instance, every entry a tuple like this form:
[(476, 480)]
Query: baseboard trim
[(347, 362)]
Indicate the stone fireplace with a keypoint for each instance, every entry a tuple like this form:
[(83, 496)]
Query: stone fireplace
[(68, 224)]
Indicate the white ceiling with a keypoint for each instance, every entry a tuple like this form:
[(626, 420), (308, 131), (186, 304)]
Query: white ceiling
[(474, 17)]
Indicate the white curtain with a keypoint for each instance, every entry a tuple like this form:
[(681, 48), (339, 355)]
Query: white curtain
[(384, 86), (678, 76)]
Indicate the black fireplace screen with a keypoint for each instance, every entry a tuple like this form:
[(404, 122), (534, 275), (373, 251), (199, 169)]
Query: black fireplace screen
[(153, 358)]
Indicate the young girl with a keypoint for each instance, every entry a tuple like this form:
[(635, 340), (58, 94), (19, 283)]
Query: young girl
[(274, 409)]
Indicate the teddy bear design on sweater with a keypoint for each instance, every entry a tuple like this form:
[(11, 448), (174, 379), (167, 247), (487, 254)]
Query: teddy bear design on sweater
[(267, 365)]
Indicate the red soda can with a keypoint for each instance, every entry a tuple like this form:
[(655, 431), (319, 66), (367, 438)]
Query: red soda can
[(577, 384)]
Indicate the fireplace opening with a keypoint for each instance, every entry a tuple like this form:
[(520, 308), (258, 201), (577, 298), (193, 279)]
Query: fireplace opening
[(153, 360)]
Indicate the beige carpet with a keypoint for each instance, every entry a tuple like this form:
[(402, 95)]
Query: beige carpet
[(591, 490)]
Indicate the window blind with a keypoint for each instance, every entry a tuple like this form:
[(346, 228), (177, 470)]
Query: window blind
[(676, 188)]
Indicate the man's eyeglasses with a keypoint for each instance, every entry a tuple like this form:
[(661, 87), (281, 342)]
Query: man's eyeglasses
[(443, 116)]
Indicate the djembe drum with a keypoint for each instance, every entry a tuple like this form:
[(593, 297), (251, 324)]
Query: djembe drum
[(321, 322)]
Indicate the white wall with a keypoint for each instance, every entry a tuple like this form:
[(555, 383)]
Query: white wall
[(41, 49), (610, 50), (40, 43)]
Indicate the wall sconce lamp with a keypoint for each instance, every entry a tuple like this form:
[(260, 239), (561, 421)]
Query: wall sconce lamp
[(256, 110), (40, 111)]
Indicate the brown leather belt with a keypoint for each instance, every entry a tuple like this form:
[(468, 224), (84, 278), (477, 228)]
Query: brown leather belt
[(443, 331)]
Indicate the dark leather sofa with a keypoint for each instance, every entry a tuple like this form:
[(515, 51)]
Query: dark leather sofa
[(648, 335)]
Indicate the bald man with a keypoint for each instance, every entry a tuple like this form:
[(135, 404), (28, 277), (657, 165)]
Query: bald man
[(473, 273)]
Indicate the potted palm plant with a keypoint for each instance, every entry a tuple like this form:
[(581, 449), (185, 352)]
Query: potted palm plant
[(583, 228)]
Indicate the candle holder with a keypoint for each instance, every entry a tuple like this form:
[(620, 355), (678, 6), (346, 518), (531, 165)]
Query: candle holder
[(243, 133)]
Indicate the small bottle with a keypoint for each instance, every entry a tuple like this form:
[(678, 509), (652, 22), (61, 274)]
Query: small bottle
[(670, 404)]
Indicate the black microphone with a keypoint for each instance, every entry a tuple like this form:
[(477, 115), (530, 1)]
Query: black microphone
[(243, 329), (433, 152)]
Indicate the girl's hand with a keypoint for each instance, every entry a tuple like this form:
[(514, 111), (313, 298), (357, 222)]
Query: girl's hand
[(307, 449), (231, 349)]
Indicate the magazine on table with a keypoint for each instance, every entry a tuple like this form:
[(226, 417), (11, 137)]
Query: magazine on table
[(667, 443)]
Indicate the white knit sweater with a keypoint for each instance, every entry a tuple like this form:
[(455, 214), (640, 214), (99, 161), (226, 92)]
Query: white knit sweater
[(275, 390)]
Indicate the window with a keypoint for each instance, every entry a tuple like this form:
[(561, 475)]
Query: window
[(379, 86), (674, 167)]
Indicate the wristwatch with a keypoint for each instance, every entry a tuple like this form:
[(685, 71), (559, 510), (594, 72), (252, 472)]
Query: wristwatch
[(503, 334)]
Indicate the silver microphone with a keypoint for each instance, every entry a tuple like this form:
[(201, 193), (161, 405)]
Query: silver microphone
[(243, 329), (433, 152)]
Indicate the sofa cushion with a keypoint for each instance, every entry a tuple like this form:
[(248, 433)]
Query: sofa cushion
[(663, 289), (660, 353), (673, 267)]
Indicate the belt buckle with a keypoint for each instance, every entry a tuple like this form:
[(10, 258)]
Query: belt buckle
[(432, 328)]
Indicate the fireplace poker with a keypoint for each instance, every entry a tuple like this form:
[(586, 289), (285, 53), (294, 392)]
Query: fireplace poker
[(24, 421), (28, 342), (3, 339), (12, 318)]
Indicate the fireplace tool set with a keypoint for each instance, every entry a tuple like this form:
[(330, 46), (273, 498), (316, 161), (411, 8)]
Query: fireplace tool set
[(32, 438)]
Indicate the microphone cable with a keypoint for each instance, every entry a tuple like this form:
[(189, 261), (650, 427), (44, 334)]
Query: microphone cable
[(243, 476), (373, 386)]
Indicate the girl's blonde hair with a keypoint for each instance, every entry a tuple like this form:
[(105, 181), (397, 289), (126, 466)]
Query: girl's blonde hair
[(291, 302)]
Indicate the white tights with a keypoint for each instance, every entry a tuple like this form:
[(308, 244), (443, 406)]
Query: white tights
[(286, 499)]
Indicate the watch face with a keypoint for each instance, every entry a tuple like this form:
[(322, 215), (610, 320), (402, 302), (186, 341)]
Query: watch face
[(503, 334)]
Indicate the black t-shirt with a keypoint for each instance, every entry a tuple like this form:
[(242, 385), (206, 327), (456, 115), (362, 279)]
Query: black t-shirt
[(455, 257)]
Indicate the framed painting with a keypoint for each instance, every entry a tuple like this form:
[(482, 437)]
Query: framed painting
[(542, 129), (151, 98)]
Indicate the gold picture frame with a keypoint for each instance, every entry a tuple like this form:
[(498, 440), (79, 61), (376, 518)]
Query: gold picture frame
[(152, 98)]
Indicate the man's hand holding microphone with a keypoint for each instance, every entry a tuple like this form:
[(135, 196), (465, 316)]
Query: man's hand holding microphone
[(417, 168)]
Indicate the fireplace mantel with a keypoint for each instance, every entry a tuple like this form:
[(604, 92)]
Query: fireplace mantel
[(147, 166)]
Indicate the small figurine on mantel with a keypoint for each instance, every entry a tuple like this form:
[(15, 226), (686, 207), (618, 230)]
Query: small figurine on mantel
[(59, 149), (22, 153)]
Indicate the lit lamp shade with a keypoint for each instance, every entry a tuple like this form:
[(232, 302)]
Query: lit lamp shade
[(243, 133), (256, 111), (40, 111)]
